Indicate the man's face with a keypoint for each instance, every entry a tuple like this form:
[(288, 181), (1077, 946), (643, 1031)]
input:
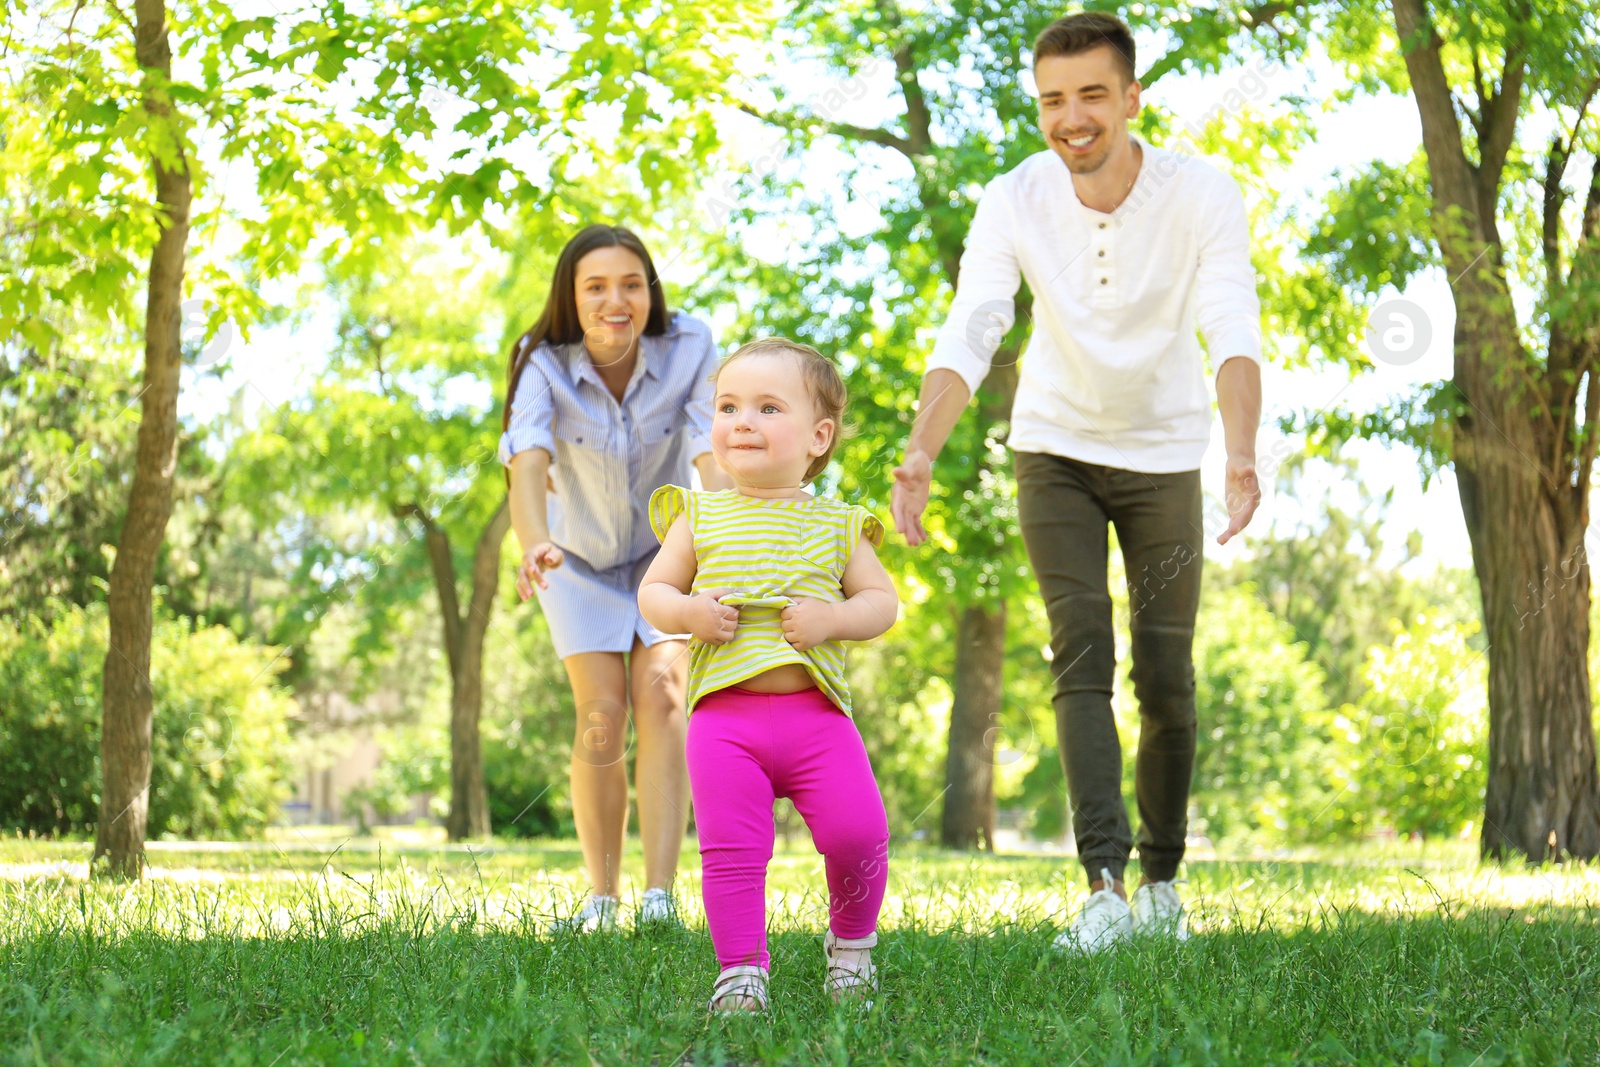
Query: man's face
[(1084, 107)]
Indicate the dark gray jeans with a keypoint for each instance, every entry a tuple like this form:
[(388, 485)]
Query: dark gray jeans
[(1064, 506)]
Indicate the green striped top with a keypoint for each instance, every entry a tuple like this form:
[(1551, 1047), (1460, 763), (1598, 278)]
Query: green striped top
[(770, 551)]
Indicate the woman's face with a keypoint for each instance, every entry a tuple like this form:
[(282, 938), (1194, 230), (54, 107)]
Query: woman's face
[(613, 298)]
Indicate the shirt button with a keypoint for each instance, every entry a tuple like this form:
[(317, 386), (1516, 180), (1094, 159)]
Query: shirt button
[(1102, 281), (1101, 253), (1102, 225)]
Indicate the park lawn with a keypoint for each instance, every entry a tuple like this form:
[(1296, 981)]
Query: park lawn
[(364, 951)]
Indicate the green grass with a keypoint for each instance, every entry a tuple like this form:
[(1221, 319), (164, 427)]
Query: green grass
[(299, 951)]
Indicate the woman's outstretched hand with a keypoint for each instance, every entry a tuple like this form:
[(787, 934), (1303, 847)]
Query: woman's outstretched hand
[(539, 558)]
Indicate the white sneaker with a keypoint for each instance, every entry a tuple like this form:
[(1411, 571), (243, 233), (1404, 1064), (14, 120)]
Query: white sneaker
[(1158, 911), (1106, 920), (599, 914), (657, 906)]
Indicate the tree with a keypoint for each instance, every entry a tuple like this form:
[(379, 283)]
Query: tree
[(382, 429), (63, 473), (1414, 760), (126, 695), (1523, 447), (463, 641), (1519, 419), (98, 108)]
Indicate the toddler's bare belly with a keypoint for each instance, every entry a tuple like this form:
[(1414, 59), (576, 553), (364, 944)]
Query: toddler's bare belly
[(787, 678)]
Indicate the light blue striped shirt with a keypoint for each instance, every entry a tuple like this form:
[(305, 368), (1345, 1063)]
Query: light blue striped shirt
[(610, 457)]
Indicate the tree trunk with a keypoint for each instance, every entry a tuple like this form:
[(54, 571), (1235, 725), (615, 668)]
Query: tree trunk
[(126, 699), (469, 801), (1527, 530), (969, 809), (1523, 464), (974, 721), (463, 645)]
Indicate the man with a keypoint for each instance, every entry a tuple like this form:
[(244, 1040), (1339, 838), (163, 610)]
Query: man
[(1127, 249)]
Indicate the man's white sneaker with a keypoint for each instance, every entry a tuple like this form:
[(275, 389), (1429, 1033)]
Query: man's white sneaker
[(1158, 911), (1105, 921), (657, 906), (599, 914)]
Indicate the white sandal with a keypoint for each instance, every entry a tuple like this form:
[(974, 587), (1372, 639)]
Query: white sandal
[(850, 978), (742, 988)]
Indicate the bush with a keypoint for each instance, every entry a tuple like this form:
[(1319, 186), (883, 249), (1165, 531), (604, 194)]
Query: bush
[(1415, 742), (1265, 746), (220, 736)]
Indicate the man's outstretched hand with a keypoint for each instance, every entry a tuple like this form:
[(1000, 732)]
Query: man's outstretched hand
[(1242, 495), (909, 496)]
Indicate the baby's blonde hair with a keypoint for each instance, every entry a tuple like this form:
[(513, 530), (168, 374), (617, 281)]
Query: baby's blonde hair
[(823, 382)]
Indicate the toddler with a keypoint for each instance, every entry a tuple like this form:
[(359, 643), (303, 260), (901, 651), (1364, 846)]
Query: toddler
[(770, 581)]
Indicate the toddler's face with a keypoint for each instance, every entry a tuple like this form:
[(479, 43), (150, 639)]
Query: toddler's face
[(764, 429)]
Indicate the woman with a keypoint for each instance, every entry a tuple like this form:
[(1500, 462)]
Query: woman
[(609, 397)]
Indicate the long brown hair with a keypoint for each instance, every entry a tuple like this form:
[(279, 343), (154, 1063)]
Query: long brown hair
[(558, 323)]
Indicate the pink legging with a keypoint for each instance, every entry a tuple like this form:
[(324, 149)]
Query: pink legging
[(747, 748)]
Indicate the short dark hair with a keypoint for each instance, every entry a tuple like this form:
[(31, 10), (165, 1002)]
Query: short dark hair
[(1083, 32)]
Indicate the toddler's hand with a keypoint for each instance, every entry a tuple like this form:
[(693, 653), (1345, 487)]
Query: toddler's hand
[(807, 623), (711, 620)]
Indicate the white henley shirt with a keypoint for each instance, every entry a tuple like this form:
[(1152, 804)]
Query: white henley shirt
[(1112, 373)]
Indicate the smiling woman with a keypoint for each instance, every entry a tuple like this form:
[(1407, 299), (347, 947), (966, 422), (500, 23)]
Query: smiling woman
[(608, 398)]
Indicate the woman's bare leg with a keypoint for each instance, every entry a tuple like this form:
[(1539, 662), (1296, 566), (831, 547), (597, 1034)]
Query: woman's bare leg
[(599, 773), (658, 677)]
